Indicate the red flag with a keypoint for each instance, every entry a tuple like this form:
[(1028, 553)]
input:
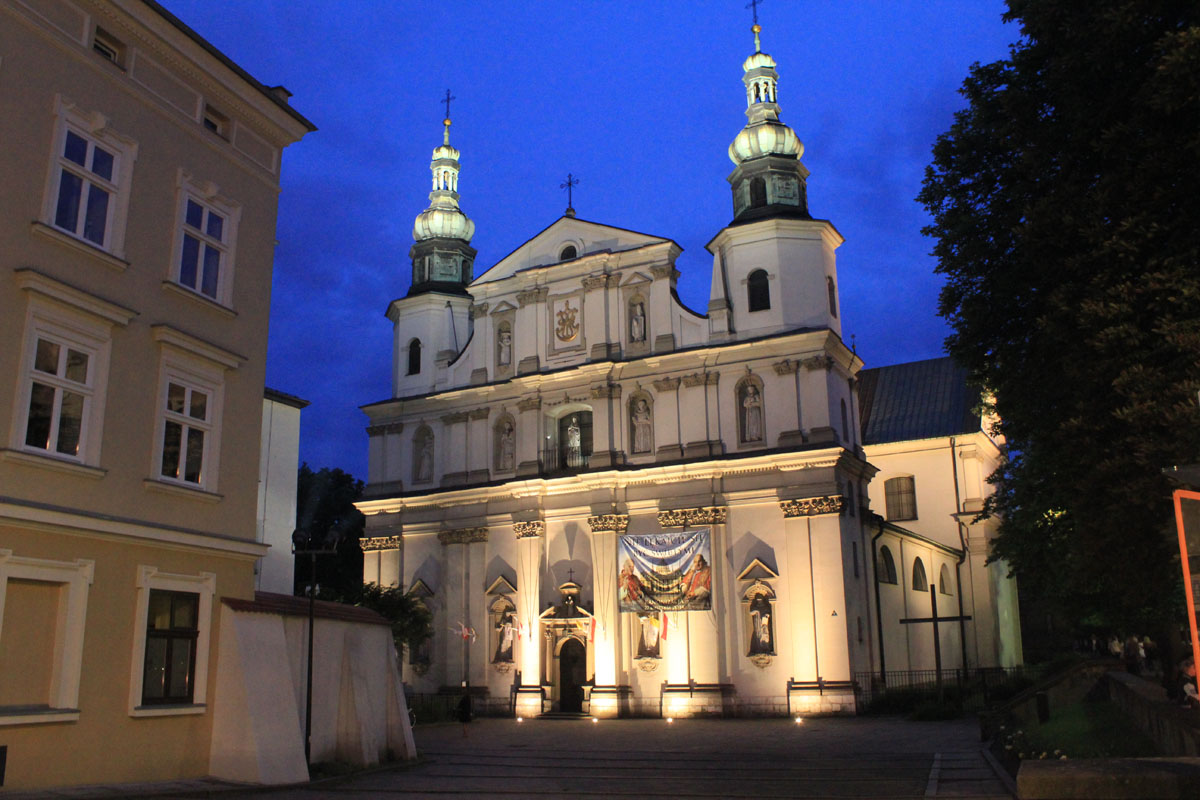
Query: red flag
[(592, 633), (663, 633)]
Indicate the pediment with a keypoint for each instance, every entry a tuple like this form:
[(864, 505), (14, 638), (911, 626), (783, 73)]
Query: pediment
[(544, 248), (757, 570), (636, 278), (502, 307), (419, 589), (501, 586)]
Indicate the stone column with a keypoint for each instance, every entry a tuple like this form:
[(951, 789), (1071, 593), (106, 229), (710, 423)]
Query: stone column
[(606, 694), (460, 600), (530, 537), (816, 400), (667, 433), (529, 436), (454, 454)]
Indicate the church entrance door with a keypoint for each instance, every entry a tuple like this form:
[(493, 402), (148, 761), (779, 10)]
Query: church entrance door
[(572, 673)]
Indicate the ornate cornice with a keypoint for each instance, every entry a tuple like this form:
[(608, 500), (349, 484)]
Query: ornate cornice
[(824, 362), (381, 543), (812, 506), (609, 522), (701, 378), (529, 530), (463, 536), (479, 413), (786, 367), (529, 404), (385, 428), (457, 416), (666, 385), (532, 296), (478, 310), (678, 518), (664, 271), (606, 390), (600, 281)]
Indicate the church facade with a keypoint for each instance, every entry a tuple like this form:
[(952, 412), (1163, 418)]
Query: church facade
[(615, 504)]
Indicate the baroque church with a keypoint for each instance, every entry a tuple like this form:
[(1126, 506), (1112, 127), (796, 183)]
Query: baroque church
[(615, 504)]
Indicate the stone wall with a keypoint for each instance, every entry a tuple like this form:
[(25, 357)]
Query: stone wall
[(1175, 730)]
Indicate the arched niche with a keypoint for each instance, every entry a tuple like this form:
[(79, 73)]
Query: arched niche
[(752, 417), (638, 322), (504, 447), (758, 608), (502, 616), (422, 455), (641, 423)]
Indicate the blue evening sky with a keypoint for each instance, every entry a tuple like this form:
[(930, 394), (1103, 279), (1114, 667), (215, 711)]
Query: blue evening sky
[(638, 99)]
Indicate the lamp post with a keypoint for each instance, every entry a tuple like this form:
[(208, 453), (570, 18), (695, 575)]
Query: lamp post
[(305, 544)]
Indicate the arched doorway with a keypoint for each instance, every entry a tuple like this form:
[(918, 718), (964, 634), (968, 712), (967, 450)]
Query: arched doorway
[(572, 673)]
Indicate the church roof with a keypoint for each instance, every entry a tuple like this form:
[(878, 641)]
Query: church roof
[(918, 400)]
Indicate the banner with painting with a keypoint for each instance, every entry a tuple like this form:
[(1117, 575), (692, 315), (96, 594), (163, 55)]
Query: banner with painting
[(665, 571)]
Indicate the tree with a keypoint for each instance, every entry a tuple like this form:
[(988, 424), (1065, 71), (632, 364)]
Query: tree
[(325, 502), (411, 621), (1066, 216)]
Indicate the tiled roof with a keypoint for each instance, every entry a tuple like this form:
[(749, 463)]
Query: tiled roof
[(917, 400)]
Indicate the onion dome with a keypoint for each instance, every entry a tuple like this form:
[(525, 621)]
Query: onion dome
[(444, 219), (764, 134)]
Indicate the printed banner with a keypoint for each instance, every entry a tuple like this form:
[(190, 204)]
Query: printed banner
[(665, 572)]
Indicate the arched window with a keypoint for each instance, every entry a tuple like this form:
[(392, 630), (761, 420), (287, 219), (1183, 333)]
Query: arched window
[(414, 357), (567, 253), (832, 296), (944, 585), (920, 583), (886, 568), (900, 498), (758, 289), (758, 192)]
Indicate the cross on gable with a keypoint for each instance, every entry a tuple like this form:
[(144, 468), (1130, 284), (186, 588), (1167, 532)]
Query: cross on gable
[(570, 183)]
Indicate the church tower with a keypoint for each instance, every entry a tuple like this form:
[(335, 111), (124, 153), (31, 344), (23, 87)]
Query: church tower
[(431, 323), (774, 266)]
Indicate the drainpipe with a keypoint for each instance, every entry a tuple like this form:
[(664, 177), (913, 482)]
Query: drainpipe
[(878, 614), (962, 623)]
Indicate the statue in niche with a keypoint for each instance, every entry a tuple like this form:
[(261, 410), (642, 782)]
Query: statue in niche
[(507, 445), (574, 444), (423, 470), (643, 431), (648, 636), (752, 421), (762, 639), (504, 357), (637, 323), (506, 636)]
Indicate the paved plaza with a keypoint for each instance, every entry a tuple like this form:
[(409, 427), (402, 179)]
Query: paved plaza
[(831, 757)]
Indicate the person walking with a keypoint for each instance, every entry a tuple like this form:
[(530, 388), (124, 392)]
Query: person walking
[(463, 710)]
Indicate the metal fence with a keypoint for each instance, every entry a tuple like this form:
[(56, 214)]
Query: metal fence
[(973, 689), (432, 707)]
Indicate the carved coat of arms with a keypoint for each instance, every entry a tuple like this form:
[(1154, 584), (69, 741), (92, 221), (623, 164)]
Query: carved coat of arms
[(568, 323)]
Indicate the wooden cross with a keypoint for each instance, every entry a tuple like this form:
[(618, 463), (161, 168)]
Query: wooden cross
[(934, 619), (447, 102), (570, 183), (753, 5)]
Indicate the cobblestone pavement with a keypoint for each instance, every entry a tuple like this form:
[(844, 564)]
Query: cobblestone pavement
[(820, 758)]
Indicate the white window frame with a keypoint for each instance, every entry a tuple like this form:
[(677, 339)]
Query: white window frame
[(75, 577), (196, 364), (67, 316), (207, 195), (204, 584), (93, 127)]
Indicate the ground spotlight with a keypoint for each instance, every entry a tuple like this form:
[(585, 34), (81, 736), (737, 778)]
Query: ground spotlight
[(799, 720), (520, 719), (670, 719), (595, 720)]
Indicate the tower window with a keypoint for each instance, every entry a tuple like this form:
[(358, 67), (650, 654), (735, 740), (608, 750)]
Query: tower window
[(414, 357), (832, 296), (758, 288), (758, 192), (216, 122), (567, 253), (109, 47)]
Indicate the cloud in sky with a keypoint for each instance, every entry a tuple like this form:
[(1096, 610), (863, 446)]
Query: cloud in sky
[(640, 100)]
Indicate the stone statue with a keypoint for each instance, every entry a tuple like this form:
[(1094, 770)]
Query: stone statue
[(424, 468), (752, 421), (574, 444), (505, 357), (507, 445), (637, 323), (643, 432)]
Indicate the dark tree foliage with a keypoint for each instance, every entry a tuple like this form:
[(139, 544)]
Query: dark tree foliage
[(324, 503), (411, 621), (1066, 207)]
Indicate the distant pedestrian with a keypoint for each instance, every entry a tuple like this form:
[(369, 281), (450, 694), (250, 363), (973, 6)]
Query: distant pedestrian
[(1132, 662), (463, 710)]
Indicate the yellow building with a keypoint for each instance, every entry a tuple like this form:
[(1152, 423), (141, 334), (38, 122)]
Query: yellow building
[(137, 225)]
